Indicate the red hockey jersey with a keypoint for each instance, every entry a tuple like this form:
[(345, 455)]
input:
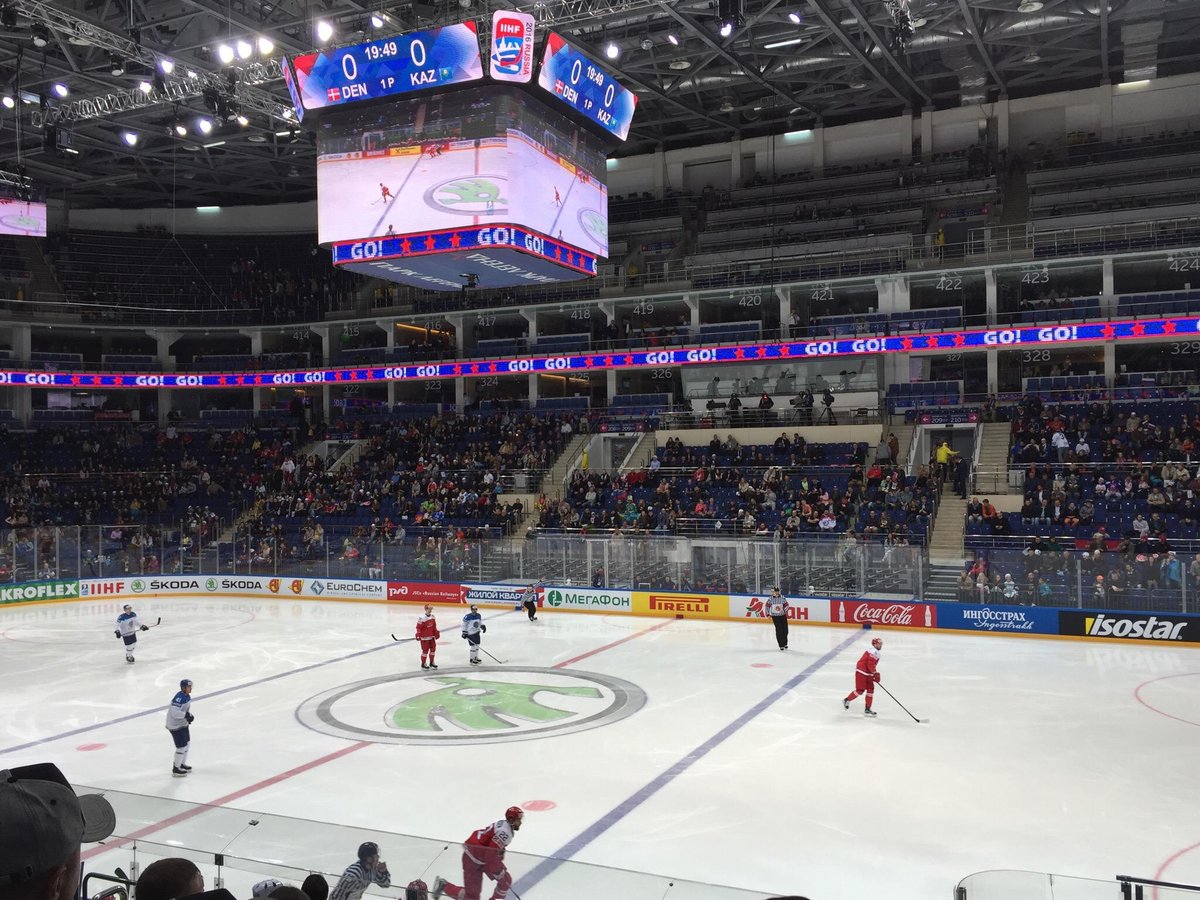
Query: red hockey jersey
[(427, 628), (869, 661)]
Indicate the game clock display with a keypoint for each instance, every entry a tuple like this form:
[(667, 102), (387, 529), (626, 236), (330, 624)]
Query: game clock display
[(390, 66), (586, 87)]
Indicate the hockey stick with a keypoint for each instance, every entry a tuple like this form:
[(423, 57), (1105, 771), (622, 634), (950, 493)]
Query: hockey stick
[(156, 624), (901, 705), (402, 640), (497, 660)]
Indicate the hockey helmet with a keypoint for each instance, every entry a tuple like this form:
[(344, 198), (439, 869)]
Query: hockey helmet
[(877, 643), (514, 815), (428, 607), (128, 607), (474, 608), (185, 683), (368, 848), (416, 890)]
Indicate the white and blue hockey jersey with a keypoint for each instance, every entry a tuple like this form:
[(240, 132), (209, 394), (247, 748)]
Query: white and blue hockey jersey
[(472, 624), (181, 705), (127, 623)]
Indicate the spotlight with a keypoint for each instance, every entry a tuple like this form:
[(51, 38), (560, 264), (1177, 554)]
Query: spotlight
[(204, 125), (61, 89), (145, 87), (266, 46), (244, 49), (166, 66), (794, 18), (376, 20), (731, 15), (674, 40), (116, 65), (40, 34), (726, 29), (8, 101), (612, 51), (130, 138), (324, 31), (180, 129), (225, 54), (242, 120)]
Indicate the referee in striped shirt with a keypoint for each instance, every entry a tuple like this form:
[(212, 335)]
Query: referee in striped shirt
[(777, 609), (369, 870)]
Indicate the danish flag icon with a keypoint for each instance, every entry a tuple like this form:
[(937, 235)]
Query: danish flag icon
[(335, 94)]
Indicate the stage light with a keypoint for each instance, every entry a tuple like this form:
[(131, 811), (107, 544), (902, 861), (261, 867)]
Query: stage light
[(204, 125), (726, 29), (116, 65), (130, 138), (166, 66), (225, 54), (242, 120), (145, 87), (61, 89), (324, 31), (180, 129), (8, 101), (794, 18), (612, 51), (244, 49), (674, 40), (266, 46), (41, 35), (376, 20)]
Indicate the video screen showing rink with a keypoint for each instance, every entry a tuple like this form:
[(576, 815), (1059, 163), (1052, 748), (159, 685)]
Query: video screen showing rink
[(691, 748)]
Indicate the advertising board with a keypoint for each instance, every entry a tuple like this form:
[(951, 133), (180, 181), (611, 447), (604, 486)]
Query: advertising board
[(687, 606), (1012, 619), (423, 592), (587, 598), (884, 612), (800, 609)]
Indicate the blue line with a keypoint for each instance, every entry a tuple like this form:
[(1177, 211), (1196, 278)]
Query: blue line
[(228, 690), (551, 863)]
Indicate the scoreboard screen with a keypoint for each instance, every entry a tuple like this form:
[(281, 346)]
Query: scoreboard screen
[(389, 66), (586, 87)]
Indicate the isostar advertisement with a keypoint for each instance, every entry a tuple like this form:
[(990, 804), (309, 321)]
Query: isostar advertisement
[(683, 606), (423, 592), (883, 612), (800, 609), (511, 57), (1162, 628), (1005, 619), (587, 598)]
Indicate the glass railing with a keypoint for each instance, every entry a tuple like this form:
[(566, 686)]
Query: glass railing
[(1012, 884), (236, 848)]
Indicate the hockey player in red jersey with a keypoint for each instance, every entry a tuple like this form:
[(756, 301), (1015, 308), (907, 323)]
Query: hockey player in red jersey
[(866, 676), (483, 854), (427, 635)]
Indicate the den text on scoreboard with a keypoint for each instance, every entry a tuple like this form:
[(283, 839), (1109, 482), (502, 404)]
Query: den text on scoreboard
[(389, 66)]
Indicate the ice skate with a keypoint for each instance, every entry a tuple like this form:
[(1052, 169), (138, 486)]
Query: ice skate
[(186, 768), (439, 885), (432, 666), (845, 703), (423, 666), (176, 770), (128, 658), (869, 712), (474, 662)]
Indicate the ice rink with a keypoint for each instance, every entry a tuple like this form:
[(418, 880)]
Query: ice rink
[(684, 748), (497, 181)]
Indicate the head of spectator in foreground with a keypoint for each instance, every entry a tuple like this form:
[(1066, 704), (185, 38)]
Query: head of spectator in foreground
[(42, 824), (316, 887), (167, 879)]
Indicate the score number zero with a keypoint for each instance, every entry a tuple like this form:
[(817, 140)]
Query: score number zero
[(417, 53), (596, 77)]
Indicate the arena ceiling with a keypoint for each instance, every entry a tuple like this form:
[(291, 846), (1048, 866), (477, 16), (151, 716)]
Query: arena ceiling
[(784, 66)]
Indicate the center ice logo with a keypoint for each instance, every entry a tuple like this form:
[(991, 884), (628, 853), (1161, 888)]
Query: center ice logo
[(481, 195), (473, 707)]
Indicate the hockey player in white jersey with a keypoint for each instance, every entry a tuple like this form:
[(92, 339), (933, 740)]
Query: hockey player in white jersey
[(472, 629), (127, 628), (179, 718)]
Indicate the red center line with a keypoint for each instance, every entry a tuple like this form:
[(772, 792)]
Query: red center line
[(305, 767)]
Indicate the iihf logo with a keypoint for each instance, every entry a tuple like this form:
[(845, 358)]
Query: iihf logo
[(508, 44)]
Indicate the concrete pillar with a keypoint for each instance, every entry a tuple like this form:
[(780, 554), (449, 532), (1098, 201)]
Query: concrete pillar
[(927, 134), (533, 389), (256, 343), (990, 295), (693, 305), (22, 340), (993, 370), (162, 347), (531, 316), (1110, 363), (784, 296), (458, 322), (1108, 292), (611, 386), (893, 294)]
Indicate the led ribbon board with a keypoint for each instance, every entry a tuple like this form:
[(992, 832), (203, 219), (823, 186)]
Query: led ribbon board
[(990, 339)]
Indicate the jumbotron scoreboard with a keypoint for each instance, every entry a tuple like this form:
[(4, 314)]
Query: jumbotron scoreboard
[(433, 174)]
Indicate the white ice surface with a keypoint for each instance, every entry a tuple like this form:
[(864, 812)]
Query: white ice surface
[(1039, 755)]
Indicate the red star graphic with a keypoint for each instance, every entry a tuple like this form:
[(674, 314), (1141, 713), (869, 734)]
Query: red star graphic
[(562, 253), (223, 380), (1139, 329), (627, 359), (458, 370), (353, 375), (906, 343), (89, 379), (1108, 332), (959, 340), (608, 360), (75, 379), (455, 240), (739, 353), (931, 341), (1168, 327), (785, 350), (758, 352), (473, 369), (241, 379), (258, 379), (405, 246), (588, 362), (490, 367)]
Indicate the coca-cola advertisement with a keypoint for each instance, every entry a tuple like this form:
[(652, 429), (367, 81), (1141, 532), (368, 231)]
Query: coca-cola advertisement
[(881, 612)]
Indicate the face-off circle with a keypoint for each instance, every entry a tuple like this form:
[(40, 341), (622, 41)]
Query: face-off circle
[(595, 226)]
